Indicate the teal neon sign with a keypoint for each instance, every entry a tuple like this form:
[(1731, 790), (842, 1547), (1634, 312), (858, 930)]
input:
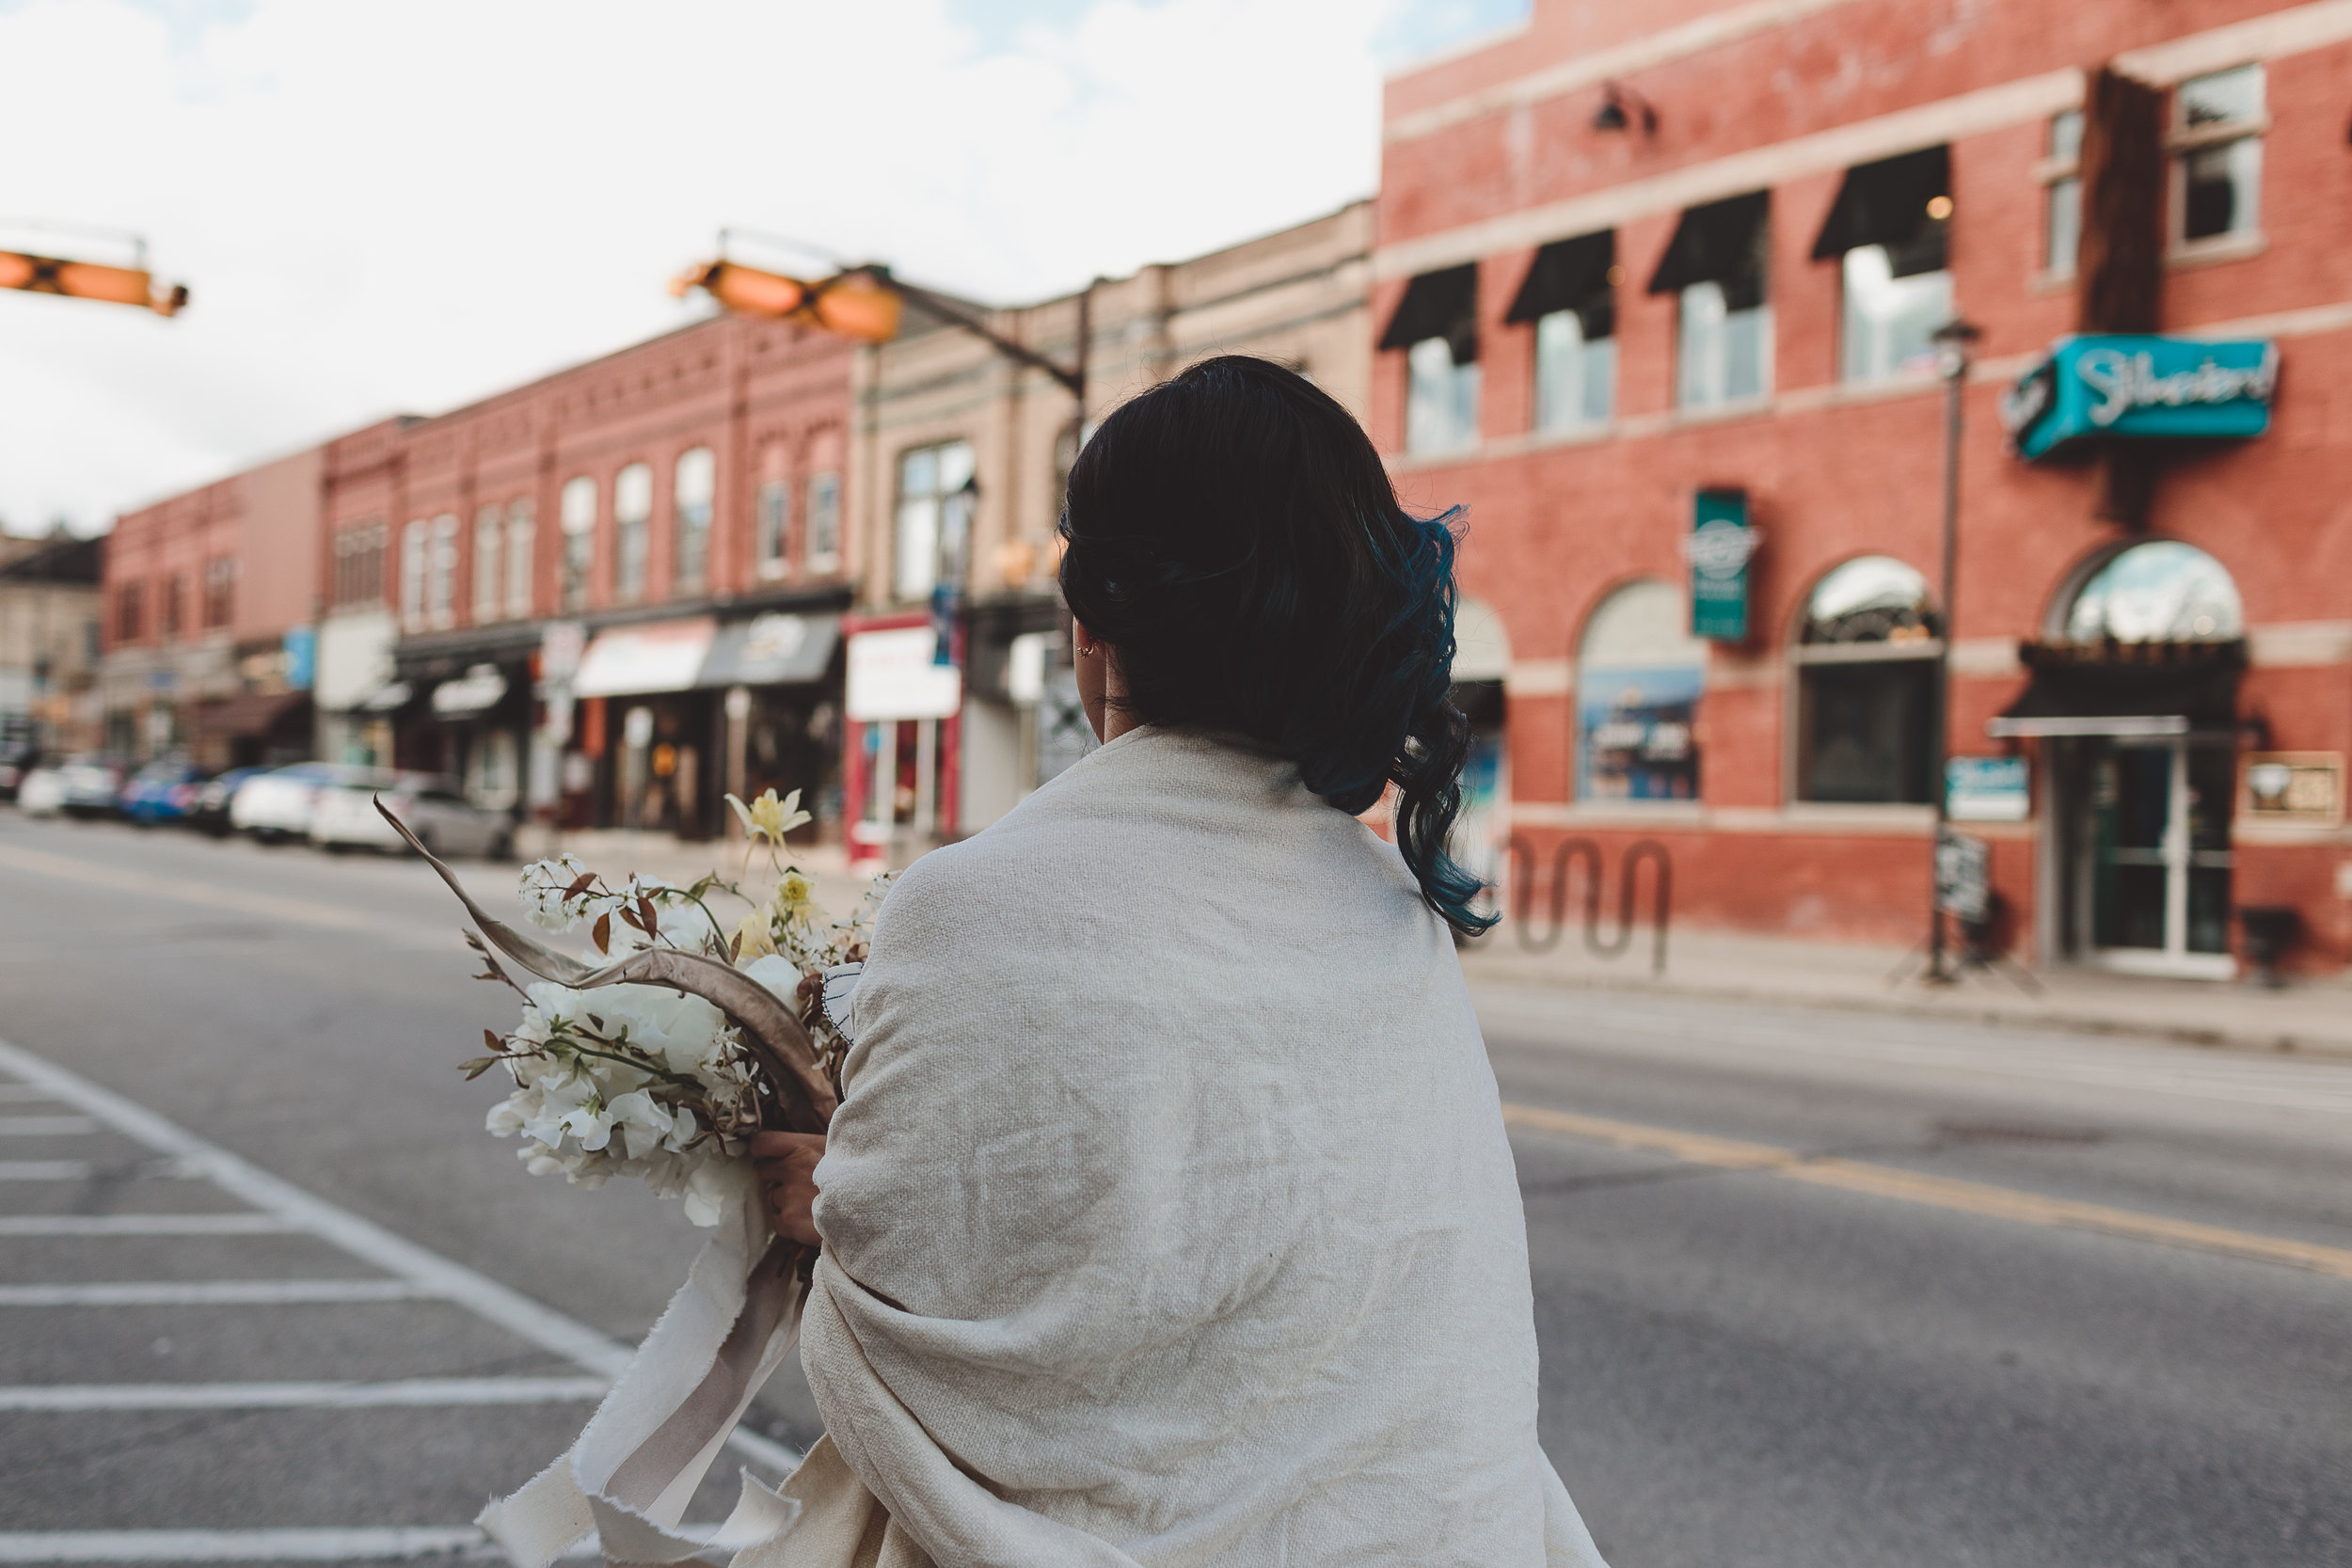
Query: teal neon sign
[(2143, 386)]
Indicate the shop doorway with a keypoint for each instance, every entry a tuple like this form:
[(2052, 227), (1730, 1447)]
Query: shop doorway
[(2151, 858)]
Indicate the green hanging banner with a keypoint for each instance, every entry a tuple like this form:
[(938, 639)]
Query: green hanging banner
[(1719, 546)]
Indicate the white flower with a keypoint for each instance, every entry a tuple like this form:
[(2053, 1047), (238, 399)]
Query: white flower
[(779, 974), (545, 893)]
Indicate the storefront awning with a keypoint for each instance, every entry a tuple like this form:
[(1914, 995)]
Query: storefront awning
[(659, 655), (243, 716), (776, 649), (2124, 688)]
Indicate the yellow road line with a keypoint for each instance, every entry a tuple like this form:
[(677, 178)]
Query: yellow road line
[(300, 911), (1936, 1192)]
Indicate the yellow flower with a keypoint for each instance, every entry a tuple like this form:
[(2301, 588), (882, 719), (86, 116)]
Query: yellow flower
[(796, 899), (768, 817), (755, 936)]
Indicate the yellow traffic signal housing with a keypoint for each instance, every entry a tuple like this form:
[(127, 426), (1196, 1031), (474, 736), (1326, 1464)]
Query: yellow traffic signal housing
[(54, 275), (855, 305)]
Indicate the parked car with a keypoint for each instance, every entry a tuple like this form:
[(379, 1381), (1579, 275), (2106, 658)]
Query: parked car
[(14, 764), (41, 792), (210, 815), (93, 786), (162, 792), (275, 807), (434, 810)]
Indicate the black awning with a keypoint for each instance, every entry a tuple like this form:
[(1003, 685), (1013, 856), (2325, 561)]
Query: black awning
[(1722, 242), (1572, 275), (1886, 203), (2195, 683), (1438, 305)]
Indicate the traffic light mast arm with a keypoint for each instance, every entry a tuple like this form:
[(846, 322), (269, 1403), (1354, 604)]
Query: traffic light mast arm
[(1072, 378)]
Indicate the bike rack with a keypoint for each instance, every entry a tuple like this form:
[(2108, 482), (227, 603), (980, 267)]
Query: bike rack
[(1574, 847)]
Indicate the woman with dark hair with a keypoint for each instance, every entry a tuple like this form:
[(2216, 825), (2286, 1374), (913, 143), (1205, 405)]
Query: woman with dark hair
[(1168, 1217)]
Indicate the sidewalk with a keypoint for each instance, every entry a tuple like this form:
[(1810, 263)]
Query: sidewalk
[(2312, 1016)]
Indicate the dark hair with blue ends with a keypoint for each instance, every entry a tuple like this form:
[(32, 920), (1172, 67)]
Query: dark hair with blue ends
[(1233, 535)]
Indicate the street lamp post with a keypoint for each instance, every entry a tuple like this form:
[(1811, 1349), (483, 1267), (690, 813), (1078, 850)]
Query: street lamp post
[(1953, 341)]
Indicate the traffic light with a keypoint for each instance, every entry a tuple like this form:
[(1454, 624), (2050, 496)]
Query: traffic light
[(54, 275), (859, 303)]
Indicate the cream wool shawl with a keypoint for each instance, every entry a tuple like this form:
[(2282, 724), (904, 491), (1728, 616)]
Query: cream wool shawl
[(1168, 1217)]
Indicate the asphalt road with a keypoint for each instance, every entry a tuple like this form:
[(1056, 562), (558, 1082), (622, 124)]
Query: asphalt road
[(1814, 1288)]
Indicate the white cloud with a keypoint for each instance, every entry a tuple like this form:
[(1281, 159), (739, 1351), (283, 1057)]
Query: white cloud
[(385, 208)]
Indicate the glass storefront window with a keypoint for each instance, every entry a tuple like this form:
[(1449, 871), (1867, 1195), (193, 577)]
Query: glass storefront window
[(1866, 698), (1638, 680)]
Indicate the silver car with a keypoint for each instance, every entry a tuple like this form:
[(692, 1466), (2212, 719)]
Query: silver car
[(345, 817)]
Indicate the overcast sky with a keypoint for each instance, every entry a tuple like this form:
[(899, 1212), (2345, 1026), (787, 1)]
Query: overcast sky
[(402, 207)]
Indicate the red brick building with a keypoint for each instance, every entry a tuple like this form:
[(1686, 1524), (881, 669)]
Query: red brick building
[(1642, 267), (207, 608), (613, 594)]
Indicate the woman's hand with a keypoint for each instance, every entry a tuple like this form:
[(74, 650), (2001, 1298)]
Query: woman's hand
[(787, 1182)]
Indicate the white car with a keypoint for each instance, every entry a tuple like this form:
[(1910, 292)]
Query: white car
[(41, 792), (275, 807), (443, 819)]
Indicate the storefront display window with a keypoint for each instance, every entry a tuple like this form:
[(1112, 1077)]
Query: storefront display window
[(1867, 697), (1639, 675)]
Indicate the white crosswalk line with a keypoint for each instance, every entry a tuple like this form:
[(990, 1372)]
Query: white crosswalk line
[(238, 1545), (145, 1224), (517, 1314), (61, 1397), (377, 1543), (46, 1127), (213, 1293)]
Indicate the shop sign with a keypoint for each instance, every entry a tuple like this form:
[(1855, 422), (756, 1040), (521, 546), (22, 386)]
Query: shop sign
[(302, 657), (1986, 789), (892, 674), (1718, 548), (2293, 786), (2141, 386), (1963, 875)]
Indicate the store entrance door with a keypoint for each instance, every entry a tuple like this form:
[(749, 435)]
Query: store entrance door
[(2152, 855)]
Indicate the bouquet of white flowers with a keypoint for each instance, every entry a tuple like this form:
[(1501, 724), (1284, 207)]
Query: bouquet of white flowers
[(659, 1060)]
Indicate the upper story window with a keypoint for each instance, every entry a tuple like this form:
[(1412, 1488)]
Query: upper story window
[(821, 549), (1435, 323), (440, 572), (1571, 296), (175, 604), (489, 547), (934, 518), (416, 546), (771, 515), (518, 557), (359, 563), (130, 613), (1718, 265), (576, 514), (220, 590), (2217, 123), (633, 521), (694, 487), (1867, 701), (2063, 194), (1889, 231)]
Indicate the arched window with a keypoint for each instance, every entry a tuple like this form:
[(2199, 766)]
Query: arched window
[(1638, 677), (2159, 591), (1866, 702)]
